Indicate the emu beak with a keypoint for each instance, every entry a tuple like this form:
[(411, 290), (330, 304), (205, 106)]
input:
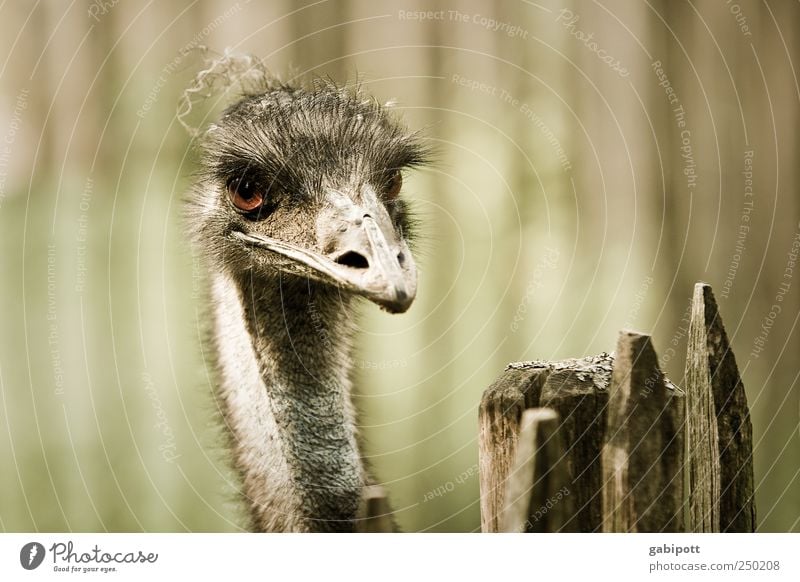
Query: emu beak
[(360, 252)]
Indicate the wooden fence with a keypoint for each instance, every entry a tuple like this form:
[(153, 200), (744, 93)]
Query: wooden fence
[(608, 443)]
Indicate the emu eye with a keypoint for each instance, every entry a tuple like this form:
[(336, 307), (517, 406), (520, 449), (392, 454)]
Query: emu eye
[(394, 184), (245, 195)]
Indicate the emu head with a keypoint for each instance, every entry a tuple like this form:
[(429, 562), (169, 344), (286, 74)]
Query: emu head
[(306, 182)]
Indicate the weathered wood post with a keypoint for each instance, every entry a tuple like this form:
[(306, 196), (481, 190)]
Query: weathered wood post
[(615, 439), (538, 496), (576, 389), (644, 444), (720, 433), (499, 418)]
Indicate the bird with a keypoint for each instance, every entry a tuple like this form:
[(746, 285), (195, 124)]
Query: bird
[(296, 213)]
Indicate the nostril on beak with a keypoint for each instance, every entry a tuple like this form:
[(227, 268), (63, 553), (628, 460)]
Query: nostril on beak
[(354, 260)]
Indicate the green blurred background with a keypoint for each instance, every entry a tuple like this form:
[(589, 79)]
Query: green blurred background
[(567, 203)]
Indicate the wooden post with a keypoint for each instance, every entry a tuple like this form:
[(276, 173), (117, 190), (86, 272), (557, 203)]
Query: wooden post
[(538, 495), (643, 452), (499, 419), (577, 390), (720, 433), (375, 515)]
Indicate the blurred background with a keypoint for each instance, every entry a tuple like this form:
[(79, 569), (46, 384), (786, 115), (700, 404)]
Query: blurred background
[(596, 159)]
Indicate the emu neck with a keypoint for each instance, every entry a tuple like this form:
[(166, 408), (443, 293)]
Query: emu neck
[(284, 353)]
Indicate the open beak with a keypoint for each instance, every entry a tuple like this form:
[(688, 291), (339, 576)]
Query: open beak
[(360, 252)]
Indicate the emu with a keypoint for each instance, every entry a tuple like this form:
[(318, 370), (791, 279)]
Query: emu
[(295, 213)]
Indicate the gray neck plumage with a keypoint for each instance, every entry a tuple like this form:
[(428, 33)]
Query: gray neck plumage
[(283, 348)]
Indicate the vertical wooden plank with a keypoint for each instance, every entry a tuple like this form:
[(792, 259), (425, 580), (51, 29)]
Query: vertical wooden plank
[(538, 495), (643, 453), (578, 391), (702, 433), (375, 513), (501, 408), (720, 433), (499, 418)]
